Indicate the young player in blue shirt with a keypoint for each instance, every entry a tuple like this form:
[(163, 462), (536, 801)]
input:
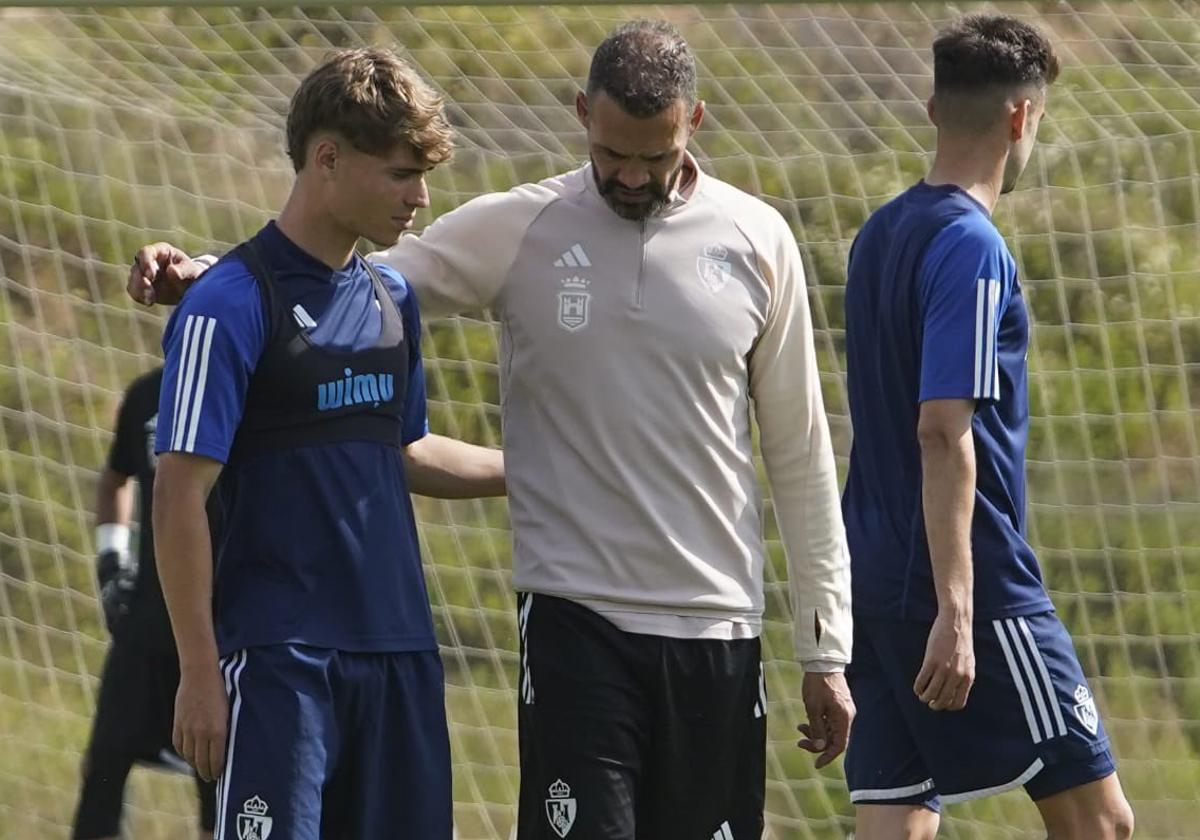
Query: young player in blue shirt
[(965, 681), (310, 678)]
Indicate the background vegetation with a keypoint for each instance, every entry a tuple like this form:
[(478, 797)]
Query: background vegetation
[(118, 127)]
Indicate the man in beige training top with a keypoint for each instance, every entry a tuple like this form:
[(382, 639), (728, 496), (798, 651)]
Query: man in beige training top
[(644, 305)]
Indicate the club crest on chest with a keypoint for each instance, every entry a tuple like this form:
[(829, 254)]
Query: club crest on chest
[(714, 268), (574, 301)]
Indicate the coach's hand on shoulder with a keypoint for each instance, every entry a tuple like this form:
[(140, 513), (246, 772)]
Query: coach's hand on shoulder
[(161, 273), (201, 720), (830, 712), (948, 672)]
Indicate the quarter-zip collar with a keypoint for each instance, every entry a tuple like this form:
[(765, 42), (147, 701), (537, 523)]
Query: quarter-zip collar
[(692, 178)]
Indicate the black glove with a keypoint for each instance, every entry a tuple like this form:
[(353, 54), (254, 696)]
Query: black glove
[(118, 582)]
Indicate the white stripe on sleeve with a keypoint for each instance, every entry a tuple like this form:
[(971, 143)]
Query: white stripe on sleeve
[(987, 306), (191, 351), (980, 312), (201, 380), (187, 335), (993, 389)]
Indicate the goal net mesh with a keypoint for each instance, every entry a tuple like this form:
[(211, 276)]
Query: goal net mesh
[(119, 127)]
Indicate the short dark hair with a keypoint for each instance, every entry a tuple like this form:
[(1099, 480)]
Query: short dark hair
[(645, 66), (375, 100), (992, 51)]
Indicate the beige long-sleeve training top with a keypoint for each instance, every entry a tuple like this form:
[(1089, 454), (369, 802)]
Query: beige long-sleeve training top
[(630, 354)]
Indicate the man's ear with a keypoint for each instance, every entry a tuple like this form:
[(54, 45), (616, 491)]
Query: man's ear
[(325, 155), (581, 108), (697, 117), (1019, 118)]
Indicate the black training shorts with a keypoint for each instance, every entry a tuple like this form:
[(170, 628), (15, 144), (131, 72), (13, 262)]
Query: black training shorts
[(625, 736)]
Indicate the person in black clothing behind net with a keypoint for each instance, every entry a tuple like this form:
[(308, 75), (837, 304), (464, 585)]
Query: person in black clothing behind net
[(141, 673)]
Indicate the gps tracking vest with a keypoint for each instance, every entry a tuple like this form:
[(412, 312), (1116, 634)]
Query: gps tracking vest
[(353, 390), (302, 394)]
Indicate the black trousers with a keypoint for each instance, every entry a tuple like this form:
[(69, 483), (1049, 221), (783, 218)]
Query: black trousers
[(625, 736), (134, 716)]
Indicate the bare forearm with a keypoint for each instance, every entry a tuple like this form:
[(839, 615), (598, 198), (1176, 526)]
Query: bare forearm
[(184, 553), (446, 468), (114, 498), (948, 499)]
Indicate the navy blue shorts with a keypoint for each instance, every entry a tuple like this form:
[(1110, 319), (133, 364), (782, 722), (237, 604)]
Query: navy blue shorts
[(1030, 718), (325, 743)]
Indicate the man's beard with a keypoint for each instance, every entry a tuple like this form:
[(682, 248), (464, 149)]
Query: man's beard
[(660, 196)]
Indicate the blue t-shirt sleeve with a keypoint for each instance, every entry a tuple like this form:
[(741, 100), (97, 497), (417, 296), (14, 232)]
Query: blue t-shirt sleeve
[(212, 344), (966, 279), (416, 419)]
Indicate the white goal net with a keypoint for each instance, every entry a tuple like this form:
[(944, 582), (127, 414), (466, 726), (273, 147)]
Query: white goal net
[(119, 127)]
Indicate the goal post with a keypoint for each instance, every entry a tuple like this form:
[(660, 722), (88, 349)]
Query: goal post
[(126, 124)]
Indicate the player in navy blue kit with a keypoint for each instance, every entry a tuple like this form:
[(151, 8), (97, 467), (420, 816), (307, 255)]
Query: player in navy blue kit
[(965, 681), (294, 383)]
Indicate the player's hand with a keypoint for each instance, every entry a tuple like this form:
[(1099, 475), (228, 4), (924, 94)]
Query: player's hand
[(117, 572), (161, 273), (948, 672), (830, 713), (201, 721)]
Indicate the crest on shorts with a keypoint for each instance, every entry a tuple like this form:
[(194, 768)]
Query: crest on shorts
[(713, 268), (561, 808), (573, 304), (253, 823), (1085, 709)]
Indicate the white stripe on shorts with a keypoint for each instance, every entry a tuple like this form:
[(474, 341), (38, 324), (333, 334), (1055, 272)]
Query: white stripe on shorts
[(1044, 673), (760, 707), (1018, 680), (1035, 687), (524, 608), (1031, 771), (723, 832), (891, 793), (233, 688), (226, 671)]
